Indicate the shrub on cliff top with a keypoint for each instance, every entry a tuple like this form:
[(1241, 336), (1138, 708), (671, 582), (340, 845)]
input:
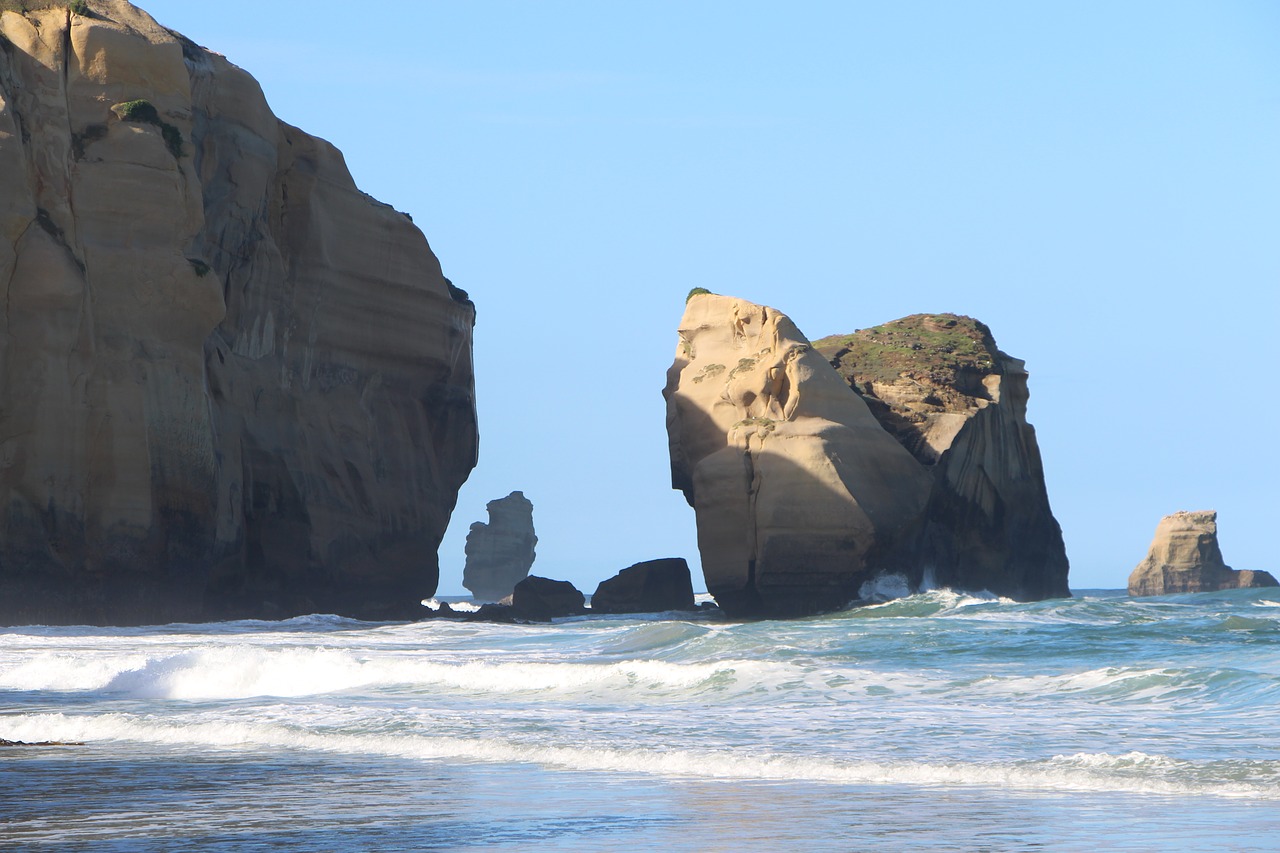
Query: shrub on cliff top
[(78, 7), (697, 291)]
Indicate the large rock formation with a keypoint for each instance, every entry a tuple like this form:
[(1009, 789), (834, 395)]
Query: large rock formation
[(649, 587), (805, 490), (500, 553), (1185, 557), (800, 495), (232, 384), (941, 387)]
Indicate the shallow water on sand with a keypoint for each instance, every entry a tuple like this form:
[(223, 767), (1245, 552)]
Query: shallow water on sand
[(940, 721)]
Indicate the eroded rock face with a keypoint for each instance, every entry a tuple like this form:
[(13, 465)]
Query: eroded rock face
[(649, 587), (1185, 557), (231, 384), (939, 384), (500, 553), (914, 459), (800, 495)]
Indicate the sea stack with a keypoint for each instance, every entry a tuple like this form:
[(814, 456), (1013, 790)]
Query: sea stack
[(500, 553), (800, 495), (940, 386), (1185, 557), (233, 384), (915, 459)]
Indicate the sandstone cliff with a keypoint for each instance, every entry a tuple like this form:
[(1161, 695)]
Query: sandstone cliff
[(500, 553), (1185, 557), (232, 384), (800, 495), (939, 384), (804, 489)]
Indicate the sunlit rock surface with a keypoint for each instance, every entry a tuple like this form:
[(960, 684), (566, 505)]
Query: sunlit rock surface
[(1185, 557), (801, 496), (914, 459)]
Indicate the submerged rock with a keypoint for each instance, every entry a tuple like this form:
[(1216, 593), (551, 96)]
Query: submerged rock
[(939, 385), (231, 384), (500, 553), (542, 599), (808, 483), (1185, 557), (649, 587)]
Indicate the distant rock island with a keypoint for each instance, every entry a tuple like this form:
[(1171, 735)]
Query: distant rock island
[(1185, 557), (500, 553), (233, 384), (911, 456)]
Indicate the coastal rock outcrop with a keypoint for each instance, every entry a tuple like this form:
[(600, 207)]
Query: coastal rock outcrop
[(914, 459), (800, 495), (539, 599), (1185, 557), (940, 386), (500, 553), (649, 587), (231, 384)]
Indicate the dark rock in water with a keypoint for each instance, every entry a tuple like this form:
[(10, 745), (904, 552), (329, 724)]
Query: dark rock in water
[(1185, 557), (542, 599), (231, 384), (492, 613), (648, 587), (816, 468), (500, 553)]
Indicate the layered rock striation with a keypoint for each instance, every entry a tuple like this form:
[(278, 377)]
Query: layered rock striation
[(500, 553), (231, 384), (1185, 557), (915, 459), (939, 385)]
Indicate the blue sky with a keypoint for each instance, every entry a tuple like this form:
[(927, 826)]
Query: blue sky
[(1098, 182)]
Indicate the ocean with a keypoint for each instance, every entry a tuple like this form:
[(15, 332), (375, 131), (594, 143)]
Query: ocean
[(939, 722)]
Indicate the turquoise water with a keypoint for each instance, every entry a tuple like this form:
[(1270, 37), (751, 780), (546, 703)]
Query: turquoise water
[(938, 722)]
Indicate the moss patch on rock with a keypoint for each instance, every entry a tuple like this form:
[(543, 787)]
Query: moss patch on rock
[(144, 112), (936, 347)]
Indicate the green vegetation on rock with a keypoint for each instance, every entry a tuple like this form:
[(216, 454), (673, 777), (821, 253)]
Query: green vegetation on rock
[(697, 291), (144, 112), (935, 346)]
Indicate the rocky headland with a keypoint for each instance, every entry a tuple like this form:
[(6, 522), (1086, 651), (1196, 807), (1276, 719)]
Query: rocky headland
[(1185, 557), (911, 456), (233, 385)]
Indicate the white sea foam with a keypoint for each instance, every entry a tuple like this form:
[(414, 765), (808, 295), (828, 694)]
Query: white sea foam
[(885, 588), (1081, 773), (456, 606), (233, 672)]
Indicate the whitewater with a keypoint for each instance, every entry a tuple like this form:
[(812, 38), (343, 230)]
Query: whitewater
[(939, 721)]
